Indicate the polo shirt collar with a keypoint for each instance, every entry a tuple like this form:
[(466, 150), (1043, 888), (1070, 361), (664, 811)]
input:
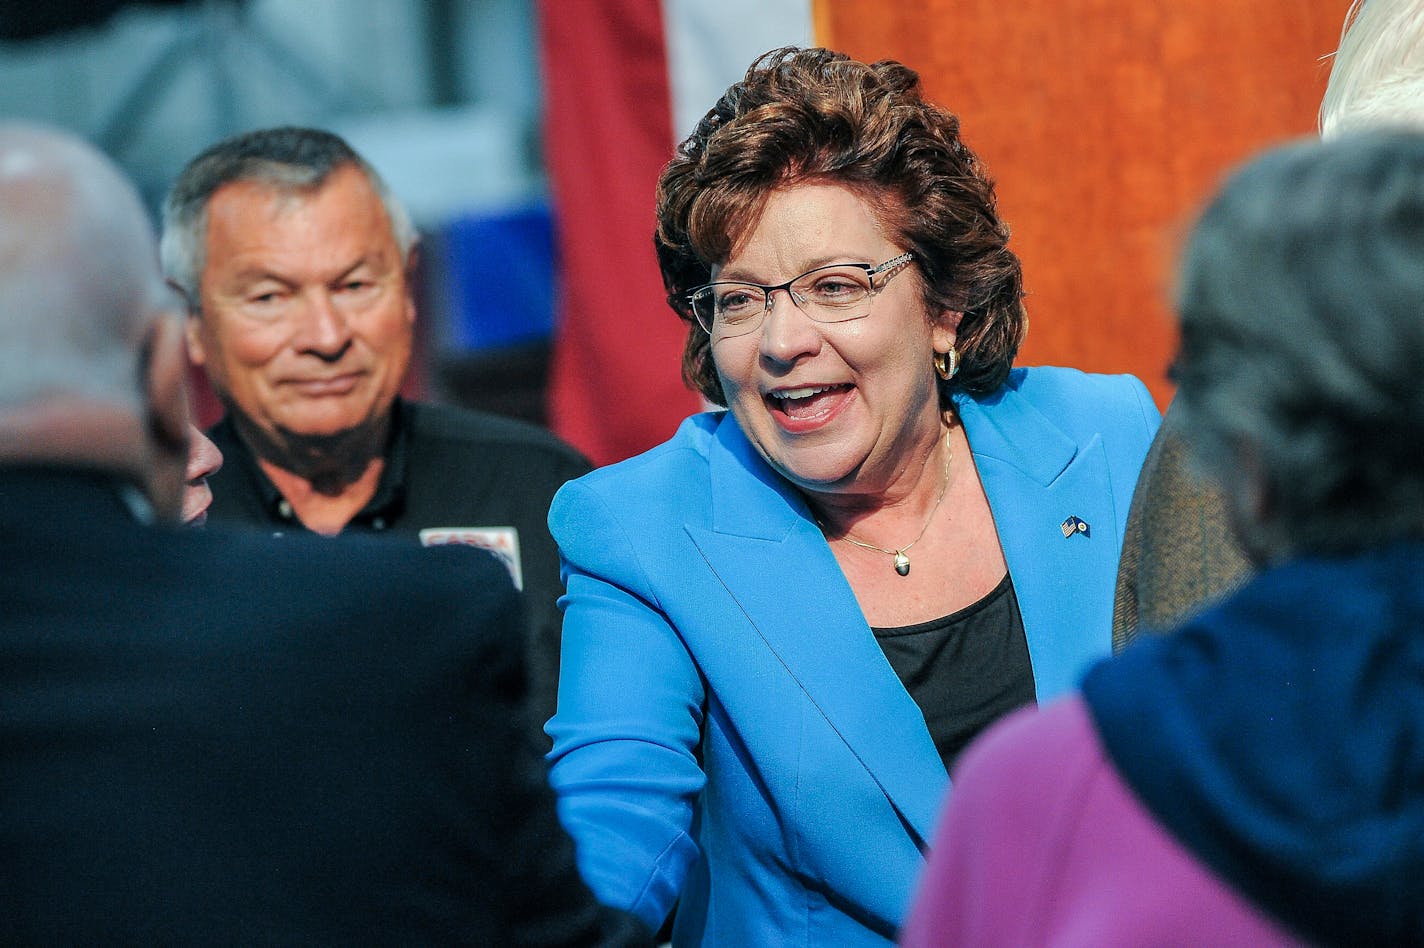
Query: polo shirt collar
[(386, 504)]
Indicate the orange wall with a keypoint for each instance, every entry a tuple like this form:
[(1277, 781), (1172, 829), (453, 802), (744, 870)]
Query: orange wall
[(1105, 124)]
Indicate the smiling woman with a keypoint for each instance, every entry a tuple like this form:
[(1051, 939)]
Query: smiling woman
[(784, 625)]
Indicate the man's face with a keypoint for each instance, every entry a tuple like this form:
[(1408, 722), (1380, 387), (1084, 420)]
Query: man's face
[(307, 320)]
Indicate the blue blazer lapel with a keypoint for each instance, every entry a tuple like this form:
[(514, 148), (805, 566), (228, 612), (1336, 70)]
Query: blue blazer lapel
[(1036, 477), (766, 549)]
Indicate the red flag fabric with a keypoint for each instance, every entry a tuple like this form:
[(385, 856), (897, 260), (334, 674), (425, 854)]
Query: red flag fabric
[(615, 386)]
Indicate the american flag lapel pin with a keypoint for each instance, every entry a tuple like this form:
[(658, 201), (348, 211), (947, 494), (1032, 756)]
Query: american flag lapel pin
[(1074, 525)]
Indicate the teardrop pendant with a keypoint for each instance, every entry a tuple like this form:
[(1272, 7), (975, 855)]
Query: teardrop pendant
[(902, 563)]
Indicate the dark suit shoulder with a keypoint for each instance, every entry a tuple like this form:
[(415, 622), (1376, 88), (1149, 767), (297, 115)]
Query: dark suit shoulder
[(369, 563), (219, 738), (364, 591)]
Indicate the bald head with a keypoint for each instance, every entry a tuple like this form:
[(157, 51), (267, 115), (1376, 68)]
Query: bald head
[(92, 365), (79, 277)]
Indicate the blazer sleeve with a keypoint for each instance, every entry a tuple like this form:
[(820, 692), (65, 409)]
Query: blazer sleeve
[(625, 758)]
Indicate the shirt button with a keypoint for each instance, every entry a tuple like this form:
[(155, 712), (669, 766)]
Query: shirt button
[(284, 509), (378, 523)]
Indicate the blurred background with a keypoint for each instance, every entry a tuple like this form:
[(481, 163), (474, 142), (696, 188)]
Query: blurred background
[(526, 135)]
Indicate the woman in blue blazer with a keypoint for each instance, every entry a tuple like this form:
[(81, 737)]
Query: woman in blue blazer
[(784, 624)]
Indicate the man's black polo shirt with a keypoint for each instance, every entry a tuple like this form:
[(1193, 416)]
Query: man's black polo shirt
[(457, 476)]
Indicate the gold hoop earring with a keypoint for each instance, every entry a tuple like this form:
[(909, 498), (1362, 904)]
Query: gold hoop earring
[(946, 364)]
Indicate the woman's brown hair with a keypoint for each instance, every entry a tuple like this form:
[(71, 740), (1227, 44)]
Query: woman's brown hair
[(802, 115)]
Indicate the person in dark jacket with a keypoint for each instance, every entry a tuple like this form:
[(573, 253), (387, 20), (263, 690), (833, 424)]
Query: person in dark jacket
[(207, 737)]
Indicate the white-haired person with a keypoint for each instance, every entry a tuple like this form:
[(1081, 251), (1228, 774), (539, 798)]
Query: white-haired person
[(1257, 777)]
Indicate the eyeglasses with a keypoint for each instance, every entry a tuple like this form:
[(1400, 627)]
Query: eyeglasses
[(830, 294)]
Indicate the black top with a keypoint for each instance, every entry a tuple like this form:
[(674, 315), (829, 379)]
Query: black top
[(445, 468), (965, 670), (208, 738)]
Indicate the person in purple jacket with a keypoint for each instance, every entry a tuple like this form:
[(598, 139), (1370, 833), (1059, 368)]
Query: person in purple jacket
[(1257, 777)]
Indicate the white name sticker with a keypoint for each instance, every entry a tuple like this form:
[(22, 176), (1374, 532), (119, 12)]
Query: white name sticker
[(503, 542)]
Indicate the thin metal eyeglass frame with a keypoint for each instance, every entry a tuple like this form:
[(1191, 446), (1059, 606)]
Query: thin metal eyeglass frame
[(894, 265)]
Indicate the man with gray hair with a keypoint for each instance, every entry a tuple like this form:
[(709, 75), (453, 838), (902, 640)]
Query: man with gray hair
[(296, 263), (207, 737)]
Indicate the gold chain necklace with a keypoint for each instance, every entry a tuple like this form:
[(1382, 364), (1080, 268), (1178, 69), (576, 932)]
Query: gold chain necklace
[(902, 562)]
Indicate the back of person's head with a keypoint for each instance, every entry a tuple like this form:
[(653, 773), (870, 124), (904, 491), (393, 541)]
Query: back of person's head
[(92, 364), (78, 276), (1377, 77), (289, 159), (813, 115), (1302, 305)]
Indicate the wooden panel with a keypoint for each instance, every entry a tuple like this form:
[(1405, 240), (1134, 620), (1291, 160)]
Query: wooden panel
[(1105, 124)]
